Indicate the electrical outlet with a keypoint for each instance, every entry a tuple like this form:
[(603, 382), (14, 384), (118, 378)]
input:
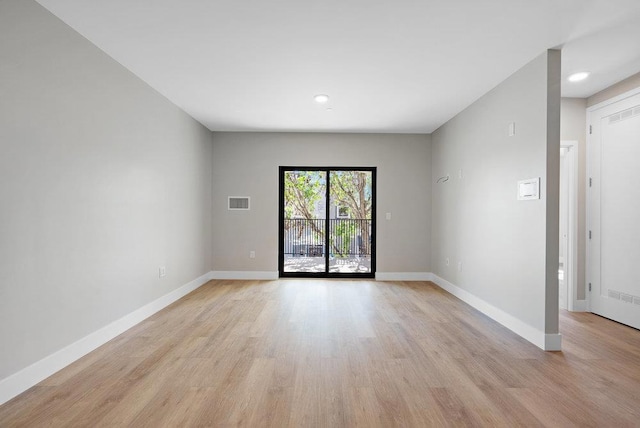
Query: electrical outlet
[(162, 271), (252, 254)]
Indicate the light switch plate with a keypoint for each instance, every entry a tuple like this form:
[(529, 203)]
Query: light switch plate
[(529, 189)]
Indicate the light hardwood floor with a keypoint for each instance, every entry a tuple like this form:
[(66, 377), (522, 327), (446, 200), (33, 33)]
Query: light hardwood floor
[(306, 353)]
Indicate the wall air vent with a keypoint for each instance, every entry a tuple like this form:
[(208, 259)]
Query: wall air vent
[(626, 298), (626, 114), (239, 202)]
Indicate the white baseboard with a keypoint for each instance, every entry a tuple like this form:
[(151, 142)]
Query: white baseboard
[(547, 342), (552, 342), (40, 370), (580, 306), (247, 275), (404, 276)]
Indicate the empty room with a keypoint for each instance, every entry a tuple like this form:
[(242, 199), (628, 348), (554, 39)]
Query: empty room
[(306, 214)]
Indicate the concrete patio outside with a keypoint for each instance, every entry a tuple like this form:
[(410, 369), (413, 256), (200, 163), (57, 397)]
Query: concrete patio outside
[(303, 264)]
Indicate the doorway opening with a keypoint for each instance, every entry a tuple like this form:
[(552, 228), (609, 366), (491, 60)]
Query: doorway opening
[(568, 256), (327, 222)]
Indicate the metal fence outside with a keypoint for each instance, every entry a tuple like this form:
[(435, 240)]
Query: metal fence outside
[(347, 237)]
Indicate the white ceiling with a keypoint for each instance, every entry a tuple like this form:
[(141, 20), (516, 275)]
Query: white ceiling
[(403, 66)]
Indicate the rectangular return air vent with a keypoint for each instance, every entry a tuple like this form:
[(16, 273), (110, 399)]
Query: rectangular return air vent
[(627, 298), (239, 202), (626, 114)]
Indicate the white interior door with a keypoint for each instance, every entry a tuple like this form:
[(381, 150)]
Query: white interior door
[(614, 211)]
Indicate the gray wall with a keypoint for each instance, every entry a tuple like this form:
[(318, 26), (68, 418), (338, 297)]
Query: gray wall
[(619, 88), (508, 248), (102, 180), (573, 125), (246, 164)]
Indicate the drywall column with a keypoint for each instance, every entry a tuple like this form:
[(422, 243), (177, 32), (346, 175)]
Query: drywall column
[(552, 339), (490, 249)]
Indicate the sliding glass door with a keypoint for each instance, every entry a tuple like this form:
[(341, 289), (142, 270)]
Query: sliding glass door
[(327, 222)]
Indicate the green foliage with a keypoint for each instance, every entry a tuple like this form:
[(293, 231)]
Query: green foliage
[(350, 190), (343, 233), (302, 192)]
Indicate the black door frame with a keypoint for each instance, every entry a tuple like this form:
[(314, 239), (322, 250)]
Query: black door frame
[(281, 219)]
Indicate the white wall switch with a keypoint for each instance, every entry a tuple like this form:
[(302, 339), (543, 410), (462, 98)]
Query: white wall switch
[(459, 266), (252, 254), (388, 216), (529, 189), (162, 271), (446, 261), (512, 129)]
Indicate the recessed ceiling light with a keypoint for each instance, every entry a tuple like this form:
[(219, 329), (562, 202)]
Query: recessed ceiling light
[(329, 109), (576, 77), (321, 98)]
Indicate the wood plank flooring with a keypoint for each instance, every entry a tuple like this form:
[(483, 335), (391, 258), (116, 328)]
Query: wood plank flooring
[(328, 353)]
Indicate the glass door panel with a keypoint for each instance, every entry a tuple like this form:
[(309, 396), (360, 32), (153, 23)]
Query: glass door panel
[(304, 221), (350, 221), (327, 222)]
